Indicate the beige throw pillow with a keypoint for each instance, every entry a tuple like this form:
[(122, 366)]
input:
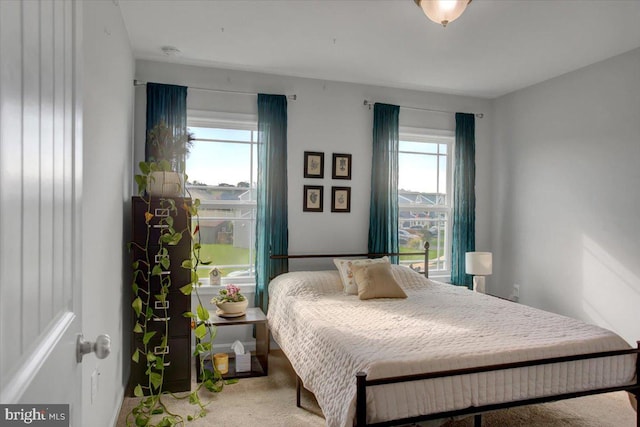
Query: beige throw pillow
[(345, 266), (376, 281)]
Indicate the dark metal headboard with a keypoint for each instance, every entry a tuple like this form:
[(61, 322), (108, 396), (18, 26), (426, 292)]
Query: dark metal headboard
[(366, 255)]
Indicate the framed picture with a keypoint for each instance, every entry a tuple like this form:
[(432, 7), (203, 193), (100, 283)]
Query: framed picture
[(313, 164), (340, 199), (341, 166), (313, 198)]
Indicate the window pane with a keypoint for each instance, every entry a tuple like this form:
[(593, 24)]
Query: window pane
[(216, 163), (418, 173), (417, 227), (423, 183), (222, 194), (223, 134), (226, 236), (222, 174), (419, 147)]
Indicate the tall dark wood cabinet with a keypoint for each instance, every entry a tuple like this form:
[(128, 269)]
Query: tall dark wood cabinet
[(177, 353)]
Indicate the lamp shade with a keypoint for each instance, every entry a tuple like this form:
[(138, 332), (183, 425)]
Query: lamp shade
[(443, 11), (478, 263)]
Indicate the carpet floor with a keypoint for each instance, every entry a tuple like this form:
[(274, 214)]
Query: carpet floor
[(270, 402)]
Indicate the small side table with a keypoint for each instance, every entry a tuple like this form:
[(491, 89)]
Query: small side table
[(259, 358)]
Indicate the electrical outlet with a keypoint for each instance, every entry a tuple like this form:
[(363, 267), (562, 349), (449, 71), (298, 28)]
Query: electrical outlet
[(516, 292)]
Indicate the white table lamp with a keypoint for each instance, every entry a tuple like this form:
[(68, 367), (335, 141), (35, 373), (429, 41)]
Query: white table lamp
[(479, 264)]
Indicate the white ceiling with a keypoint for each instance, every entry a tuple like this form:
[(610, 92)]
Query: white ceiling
[(496, 47)]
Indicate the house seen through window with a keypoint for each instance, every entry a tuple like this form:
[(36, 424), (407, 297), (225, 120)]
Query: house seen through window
[(425, 199), (222, 173)]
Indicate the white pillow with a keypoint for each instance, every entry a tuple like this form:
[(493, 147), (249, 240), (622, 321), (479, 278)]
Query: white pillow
[(346, 274)]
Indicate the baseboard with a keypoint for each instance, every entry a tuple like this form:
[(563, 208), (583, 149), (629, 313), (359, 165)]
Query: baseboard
[(114, 419)]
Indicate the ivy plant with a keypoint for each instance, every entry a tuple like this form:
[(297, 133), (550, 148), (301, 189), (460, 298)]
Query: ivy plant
[(151, 411)]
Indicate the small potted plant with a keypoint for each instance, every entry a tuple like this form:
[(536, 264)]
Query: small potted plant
[(230, 302), (168, 150)]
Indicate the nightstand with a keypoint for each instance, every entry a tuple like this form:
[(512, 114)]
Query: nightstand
[(259, 358)]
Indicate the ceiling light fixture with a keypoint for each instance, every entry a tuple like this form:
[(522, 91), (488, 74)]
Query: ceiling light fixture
[(443, 11)]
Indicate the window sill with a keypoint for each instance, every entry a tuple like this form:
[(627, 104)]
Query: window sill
[(207, 289)]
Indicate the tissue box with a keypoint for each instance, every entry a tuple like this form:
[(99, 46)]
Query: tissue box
[(243, 362)]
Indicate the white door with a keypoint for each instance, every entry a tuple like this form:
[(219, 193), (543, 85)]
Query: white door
[(40, 195)]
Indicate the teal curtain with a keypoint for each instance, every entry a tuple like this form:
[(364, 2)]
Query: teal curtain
[(464, 198), (383, 210), (168, 104), (271, 220)]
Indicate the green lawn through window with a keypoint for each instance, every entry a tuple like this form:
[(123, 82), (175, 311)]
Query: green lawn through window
[(220, 254)]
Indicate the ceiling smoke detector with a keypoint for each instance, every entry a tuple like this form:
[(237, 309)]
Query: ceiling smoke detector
[(170, 50)]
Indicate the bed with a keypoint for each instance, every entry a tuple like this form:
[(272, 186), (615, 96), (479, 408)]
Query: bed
[(442, 351)]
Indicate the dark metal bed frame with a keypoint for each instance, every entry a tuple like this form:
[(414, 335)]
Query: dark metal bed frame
[(362, 382), (367, 255)]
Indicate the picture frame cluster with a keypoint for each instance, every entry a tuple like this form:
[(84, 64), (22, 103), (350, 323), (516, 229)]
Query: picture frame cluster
[(313, 195)]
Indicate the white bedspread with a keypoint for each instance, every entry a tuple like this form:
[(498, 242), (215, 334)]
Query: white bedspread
[(329, 336)]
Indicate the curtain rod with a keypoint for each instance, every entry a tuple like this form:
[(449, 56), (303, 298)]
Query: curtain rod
[(370, 104), (239, 92)]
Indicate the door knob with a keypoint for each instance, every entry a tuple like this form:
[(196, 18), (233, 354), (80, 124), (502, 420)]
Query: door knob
[(102, 347)]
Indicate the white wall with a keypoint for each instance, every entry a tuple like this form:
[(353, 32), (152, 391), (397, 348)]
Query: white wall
[(329, 117), (108, 122), (566, 201)]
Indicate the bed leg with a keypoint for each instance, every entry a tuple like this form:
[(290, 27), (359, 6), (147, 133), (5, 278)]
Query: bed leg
[(361, 399), (477, 420), (426, 259), (298, 391)]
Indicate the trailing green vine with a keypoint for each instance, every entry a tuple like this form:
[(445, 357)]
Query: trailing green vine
[(151, 411)]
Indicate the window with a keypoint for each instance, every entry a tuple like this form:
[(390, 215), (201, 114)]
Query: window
[(222, 173), (425, 198)]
